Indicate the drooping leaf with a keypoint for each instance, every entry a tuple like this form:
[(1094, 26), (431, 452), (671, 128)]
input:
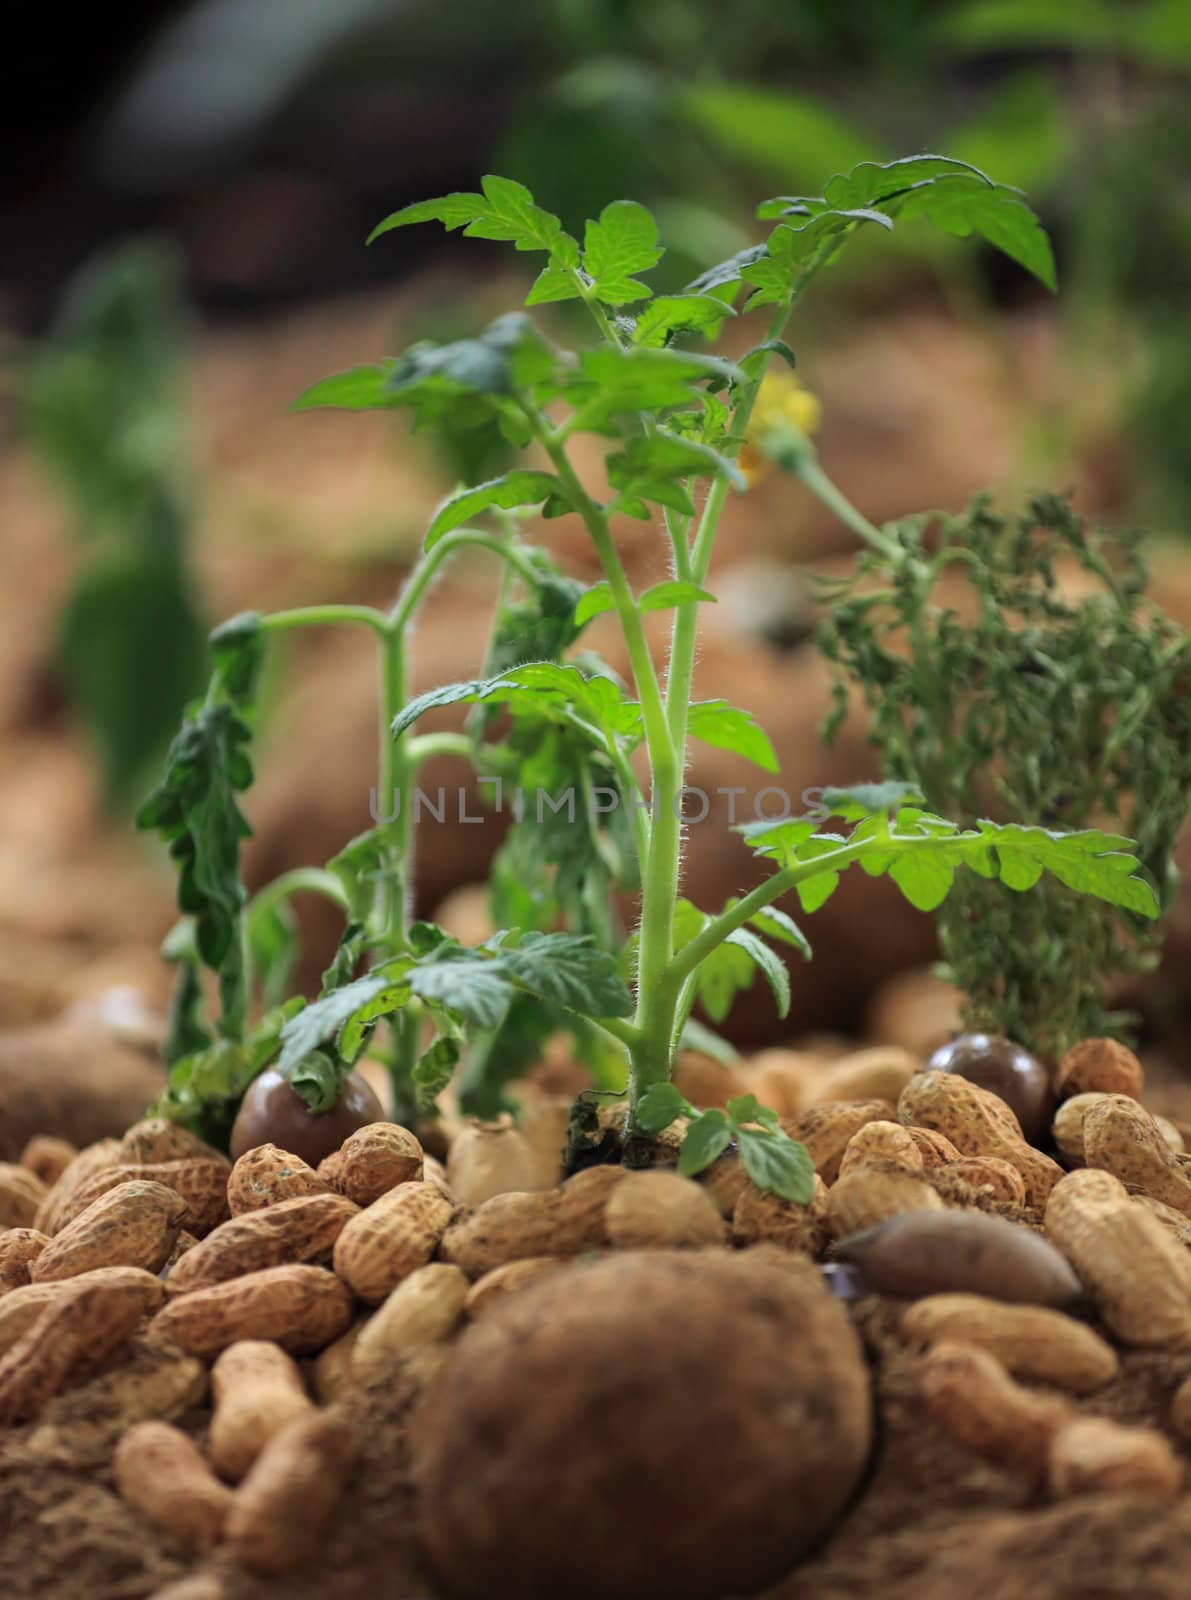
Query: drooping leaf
[(505, 210), (519, 488), (727, 727), (319, 1022), (659, 1106), (770, 964), (663, 596)]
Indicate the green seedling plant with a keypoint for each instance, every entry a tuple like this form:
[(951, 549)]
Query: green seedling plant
[(547, 715)]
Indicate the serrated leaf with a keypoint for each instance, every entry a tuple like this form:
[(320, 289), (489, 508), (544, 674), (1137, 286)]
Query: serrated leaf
[(745, 1108), (873, 184), (962, 206), (707, 1137), (721, 976), (612, 383), (452, 210), (671, 314), (434, 1070), (466, 982), (776, 924), (770, 964), (727, 727), (571, 970), (622, 242), (519, 488), (777, 1164), (658, 1107), (322, 1019)]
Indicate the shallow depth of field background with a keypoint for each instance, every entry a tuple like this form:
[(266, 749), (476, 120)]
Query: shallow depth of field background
[(182, 229)]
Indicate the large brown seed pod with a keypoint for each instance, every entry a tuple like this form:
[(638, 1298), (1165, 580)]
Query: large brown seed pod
[(1007, 1070), (724, 1412), (937, 1252)]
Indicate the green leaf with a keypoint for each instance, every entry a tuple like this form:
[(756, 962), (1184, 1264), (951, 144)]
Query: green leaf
[(434, 1070), (320, 1021), (624, 241), (776, 132), (318, 1081), (672, 314), (553, 284), (771, 965), (363, 388), (662, 596), (874, 184), (463, 981), (776, 924), (707, 1137), (698, 1036), (548, 687), (924, 880), (659, 1106), (595, 600), (505, 210), (777, 1164), (612, 383), (519, 488), (570, 970), (869, 799), (652, 467), (452, 210), (357, 1030), (815, 892), (746, 1108), (271, 930), (727, 727), (721, 976), (962, 206)]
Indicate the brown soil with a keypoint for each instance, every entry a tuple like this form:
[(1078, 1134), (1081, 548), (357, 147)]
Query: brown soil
[(931, 1523)]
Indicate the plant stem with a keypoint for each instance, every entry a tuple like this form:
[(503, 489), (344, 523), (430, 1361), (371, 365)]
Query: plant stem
[(319, 616), (807, 468), (300, 880)]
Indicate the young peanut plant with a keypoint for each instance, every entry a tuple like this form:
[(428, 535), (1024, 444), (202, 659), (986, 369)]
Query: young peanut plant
[(675, 419)]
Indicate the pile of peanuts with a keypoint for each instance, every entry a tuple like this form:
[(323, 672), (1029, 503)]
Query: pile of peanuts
[(233, 1275)]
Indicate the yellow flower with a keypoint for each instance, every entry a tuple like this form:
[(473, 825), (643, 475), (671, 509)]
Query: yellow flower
[(783, 414)]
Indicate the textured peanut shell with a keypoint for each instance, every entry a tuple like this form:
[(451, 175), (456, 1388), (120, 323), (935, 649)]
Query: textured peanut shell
[(1093, 1455), (19, 1248), (157, 1139), (21, 1196), (860, 1199), (83, 1426), (285, 1505), (1173, 1221), (977, 1123), (1067, 1127), (989, 1175), (1029, 1341), (91, 1158), (784, 1080), (265, 1175), (1102, 1066), (85, 1321), (300, 1308), (550, 1222), (661, 1210), (332, 1369), (935, 1150), (764, 1218), (1138, 1275), (882, 1144), (1121, 1137), (134, 1224), (375, 1159), (725, 1181), (826, 1130), (292, 1231), (496, 1285), (257, 1389), (199, 1181), (969, 1393), (391, 1238), (961, 1252), (161, 1472), (47, 1158), (424, 1309)]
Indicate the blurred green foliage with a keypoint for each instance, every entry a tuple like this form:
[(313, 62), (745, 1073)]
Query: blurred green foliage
[(103, 408)]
